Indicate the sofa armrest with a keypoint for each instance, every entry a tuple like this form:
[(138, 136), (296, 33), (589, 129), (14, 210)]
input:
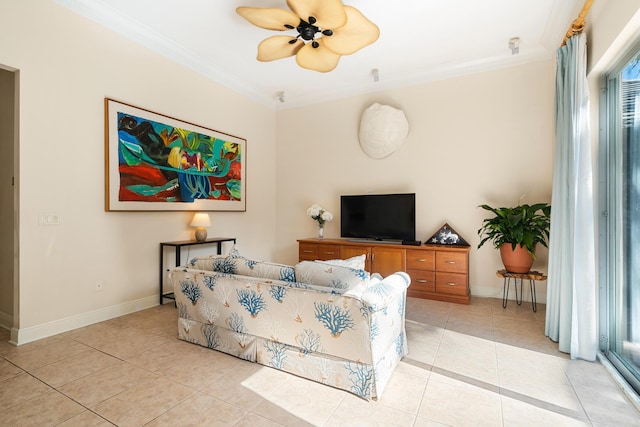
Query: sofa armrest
[(380, 293)]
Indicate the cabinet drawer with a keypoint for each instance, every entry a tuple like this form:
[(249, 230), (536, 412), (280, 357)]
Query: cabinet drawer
[(308, 251), (451, 283), (420, 260), (422, 280), (326, 252), (453, 262)]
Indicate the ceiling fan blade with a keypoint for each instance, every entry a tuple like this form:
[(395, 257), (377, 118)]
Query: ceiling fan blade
[(318, 59), (269, 18), (358, 33), (278, 47), (330, 14)]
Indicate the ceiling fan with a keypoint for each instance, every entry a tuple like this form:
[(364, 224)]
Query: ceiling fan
[(326, 30)]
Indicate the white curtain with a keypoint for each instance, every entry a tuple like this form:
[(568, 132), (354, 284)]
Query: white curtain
[(571, 286)]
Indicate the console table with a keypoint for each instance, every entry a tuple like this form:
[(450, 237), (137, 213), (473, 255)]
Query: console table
[(178, 246), (439, 272)]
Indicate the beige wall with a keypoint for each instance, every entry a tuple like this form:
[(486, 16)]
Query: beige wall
[(68, 64), (484, 138)]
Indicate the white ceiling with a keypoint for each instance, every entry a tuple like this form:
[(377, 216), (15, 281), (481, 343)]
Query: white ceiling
[(420, 41)]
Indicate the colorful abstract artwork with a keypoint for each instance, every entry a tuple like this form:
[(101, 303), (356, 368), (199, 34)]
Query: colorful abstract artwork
[(156, 162)]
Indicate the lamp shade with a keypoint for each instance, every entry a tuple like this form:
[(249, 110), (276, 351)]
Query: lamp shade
[(201, 220)]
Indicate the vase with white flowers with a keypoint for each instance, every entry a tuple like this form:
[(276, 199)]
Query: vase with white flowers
[(321, 215)]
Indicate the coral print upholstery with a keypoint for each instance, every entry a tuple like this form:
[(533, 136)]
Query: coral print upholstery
[(329, 323), (330, 275)]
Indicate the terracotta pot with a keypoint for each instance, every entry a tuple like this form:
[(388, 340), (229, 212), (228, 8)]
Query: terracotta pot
[(516, 261)]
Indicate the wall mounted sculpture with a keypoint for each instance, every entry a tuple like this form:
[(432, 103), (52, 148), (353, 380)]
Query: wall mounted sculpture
[(383, 129)]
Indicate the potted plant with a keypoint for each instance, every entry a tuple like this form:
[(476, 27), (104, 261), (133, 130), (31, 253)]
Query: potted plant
[(516, 231)]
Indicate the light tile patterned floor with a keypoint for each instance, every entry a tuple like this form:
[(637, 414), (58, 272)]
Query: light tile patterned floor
[(475, 365)]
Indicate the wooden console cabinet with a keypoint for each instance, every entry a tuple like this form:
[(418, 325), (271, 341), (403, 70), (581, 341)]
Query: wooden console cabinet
[(437, 272)]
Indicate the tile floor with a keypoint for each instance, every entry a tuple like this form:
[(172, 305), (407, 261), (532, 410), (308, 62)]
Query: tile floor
[(475, 365)]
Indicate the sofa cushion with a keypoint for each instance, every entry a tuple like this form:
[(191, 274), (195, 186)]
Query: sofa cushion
[(356, 262), (320, 273)]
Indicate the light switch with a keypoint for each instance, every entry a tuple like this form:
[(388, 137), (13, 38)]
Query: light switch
[(48, 219)]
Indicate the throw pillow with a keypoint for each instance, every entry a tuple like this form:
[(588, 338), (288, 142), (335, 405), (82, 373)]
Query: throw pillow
[(356, 262)]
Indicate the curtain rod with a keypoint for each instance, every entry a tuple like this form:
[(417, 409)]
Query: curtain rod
[(578, 25)]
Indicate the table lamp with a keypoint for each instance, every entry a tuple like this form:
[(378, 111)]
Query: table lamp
[(201, 220)]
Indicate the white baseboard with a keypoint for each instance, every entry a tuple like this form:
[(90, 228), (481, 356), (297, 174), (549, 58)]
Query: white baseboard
[(33, 333), (6, 320)]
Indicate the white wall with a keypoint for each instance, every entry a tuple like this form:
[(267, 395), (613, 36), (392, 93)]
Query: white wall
[(68, 65), (484, 138)]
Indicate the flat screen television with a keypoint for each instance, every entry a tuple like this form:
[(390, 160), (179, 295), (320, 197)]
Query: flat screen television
[(378, 216)]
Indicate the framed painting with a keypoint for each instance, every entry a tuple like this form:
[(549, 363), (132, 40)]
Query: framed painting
[(158, 163)]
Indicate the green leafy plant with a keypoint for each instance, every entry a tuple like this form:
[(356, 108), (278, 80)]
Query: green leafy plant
[(523, 225)]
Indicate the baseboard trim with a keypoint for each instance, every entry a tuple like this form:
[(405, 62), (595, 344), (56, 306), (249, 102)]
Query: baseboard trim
[(21, 336), (6, 321)]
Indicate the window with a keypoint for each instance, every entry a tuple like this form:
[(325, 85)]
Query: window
[(620, 220)]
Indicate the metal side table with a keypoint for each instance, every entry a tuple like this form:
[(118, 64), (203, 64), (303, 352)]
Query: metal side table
[(179, 245), (532, 276)]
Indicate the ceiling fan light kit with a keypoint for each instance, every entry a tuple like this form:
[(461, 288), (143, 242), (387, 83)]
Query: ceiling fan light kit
[(326, 30)]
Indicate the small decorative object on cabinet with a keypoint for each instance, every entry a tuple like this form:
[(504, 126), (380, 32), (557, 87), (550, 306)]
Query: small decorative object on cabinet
[(446, 235), (439, 272), (321, 215)]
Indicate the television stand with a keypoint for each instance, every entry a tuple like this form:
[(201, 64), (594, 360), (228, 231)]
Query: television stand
[(439, 272)]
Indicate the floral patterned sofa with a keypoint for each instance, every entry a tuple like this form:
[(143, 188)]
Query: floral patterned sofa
[(324, 321)]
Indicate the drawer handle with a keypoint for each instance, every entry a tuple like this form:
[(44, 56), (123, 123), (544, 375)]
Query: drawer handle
[(422, 260), (451, 284), (306, 251), (329, 253), (450, 262), (421, 281)]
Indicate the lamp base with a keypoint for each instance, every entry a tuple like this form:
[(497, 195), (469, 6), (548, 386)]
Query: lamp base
[(201, 234)]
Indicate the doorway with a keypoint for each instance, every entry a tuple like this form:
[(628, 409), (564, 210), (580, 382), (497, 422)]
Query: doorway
[(8, 199)]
